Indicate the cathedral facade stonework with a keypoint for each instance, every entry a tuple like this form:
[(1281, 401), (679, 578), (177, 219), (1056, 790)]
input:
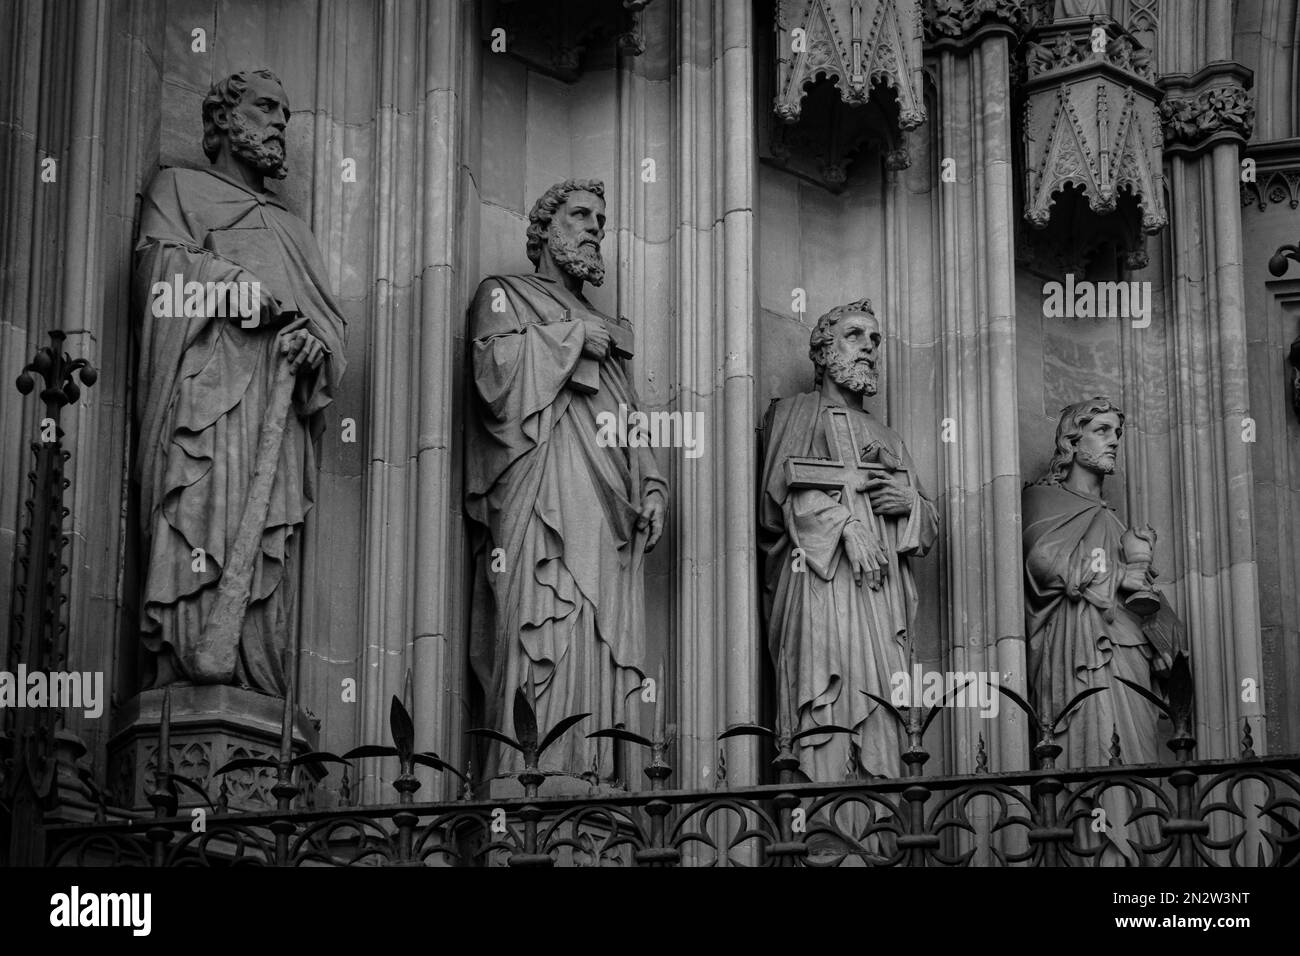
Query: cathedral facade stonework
[(948, 343)]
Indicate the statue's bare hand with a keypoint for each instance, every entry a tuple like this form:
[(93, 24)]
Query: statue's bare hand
[(865, 554), (652, 517), (300, 348), (889, 496), (1137, 577), (595, 344)]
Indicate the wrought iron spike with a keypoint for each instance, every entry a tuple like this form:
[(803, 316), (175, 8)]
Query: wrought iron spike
[(1247, 741), (1116, 755)]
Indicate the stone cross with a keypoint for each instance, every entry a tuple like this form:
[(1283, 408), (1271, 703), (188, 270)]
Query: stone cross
[(846, 472)]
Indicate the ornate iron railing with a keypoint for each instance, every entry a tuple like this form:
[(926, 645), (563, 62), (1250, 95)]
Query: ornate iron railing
[(1241, 812)]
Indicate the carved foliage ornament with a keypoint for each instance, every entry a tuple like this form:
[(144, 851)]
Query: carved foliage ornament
[(1091, 122), (954, 20), (1067, 50), (856, 43), (1192, 121)]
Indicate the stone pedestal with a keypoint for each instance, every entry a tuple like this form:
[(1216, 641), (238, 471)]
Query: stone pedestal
[(210, 726)]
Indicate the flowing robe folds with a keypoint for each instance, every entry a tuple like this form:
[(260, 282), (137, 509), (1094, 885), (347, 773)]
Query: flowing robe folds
[(559, 590), (829, 638), (1081, 635), (203, 389)]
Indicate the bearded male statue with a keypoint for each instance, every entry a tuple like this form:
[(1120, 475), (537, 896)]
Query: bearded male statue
[(842, 516), (241, 348), (562, 520)]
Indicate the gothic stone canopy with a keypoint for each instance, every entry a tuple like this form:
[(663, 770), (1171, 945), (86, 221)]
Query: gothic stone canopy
[(858, 44), (1091, 121)]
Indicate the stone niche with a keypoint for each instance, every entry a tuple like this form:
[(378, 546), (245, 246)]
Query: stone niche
[(845, 73), (1092, 141), (210, 726)]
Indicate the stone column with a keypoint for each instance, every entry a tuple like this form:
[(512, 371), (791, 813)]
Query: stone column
[(78, 140), (1208, 115), (646, 221), (718, 646), (414, 577), (977, 377)]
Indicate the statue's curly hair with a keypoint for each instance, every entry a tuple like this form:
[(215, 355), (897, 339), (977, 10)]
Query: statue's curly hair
[(228, 93), (1068, 430), (823, 333), (539, 220)]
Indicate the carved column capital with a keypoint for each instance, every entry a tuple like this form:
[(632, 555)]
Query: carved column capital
[(1208, 107), (961, 23)]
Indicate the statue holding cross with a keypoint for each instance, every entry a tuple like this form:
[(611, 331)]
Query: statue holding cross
[(842, 515)]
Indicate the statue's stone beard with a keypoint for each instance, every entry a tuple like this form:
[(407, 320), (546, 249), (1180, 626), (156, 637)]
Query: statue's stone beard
[(251, 145), (854, 374), (1098, 463), (576, 257)]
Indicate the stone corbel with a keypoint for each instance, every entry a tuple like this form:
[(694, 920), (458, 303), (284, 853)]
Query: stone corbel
[(1208, 107), (858, 44)]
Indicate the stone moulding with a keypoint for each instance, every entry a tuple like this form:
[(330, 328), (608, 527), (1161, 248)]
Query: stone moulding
[(1277, 174), (1091, 121), (1208, 107), (882, 48), (1278, 186)]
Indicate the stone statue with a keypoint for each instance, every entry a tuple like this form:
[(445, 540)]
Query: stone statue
[(563, 518), (1092, 613), (241, 347), (842, 516)]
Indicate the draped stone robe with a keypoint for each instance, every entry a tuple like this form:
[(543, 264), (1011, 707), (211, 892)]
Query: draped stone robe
[(1080, 635), (830, 638), (559, 592), (204, 384)]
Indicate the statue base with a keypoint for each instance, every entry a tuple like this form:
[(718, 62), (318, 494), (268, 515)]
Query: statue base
[(211, 724)]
